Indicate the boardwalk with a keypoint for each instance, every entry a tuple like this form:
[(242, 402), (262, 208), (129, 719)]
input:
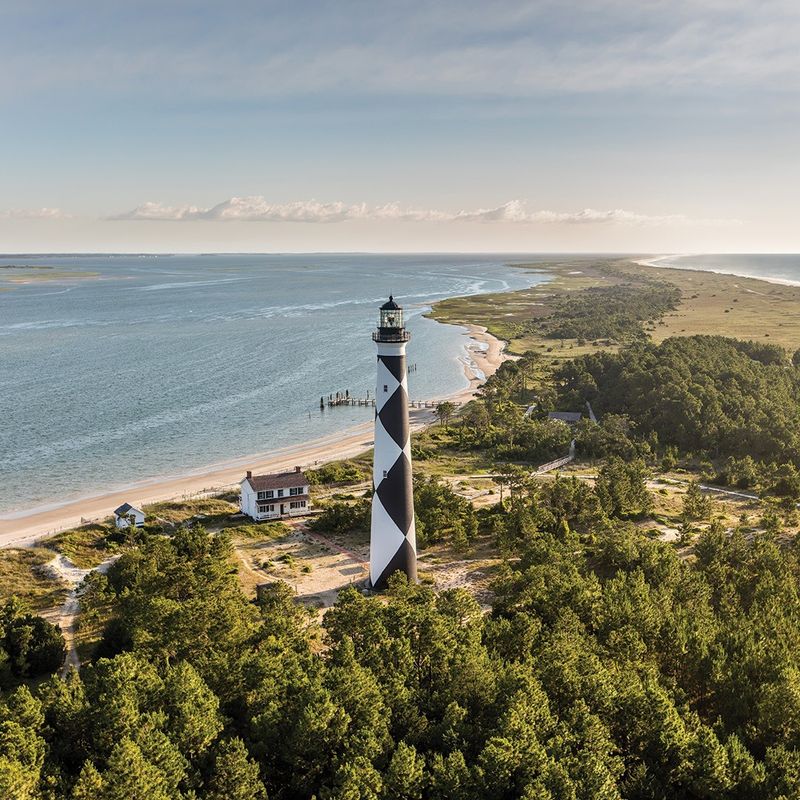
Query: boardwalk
[(346, 399)]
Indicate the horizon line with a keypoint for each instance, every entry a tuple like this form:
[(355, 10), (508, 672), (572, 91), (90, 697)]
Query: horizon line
[(514, 253)]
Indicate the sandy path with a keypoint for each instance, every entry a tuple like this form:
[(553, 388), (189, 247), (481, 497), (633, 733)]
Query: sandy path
[(66, 617), (331, 567), (22, 528)]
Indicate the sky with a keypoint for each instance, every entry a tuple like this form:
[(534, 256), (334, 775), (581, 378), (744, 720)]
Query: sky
[(651, 126)]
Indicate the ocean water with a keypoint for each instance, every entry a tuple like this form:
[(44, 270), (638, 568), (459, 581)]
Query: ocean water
[(161, 365), (779, 268)]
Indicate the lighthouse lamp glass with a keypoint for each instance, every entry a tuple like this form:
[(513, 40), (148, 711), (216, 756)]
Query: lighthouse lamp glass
[(392, 319)]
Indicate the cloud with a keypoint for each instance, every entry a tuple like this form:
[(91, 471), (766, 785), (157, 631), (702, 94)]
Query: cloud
[(469, 47), (258, 209), (33, 213)]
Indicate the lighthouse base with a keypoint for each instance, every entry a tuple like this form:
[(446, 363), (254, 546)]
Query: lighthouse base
[(404, 560)]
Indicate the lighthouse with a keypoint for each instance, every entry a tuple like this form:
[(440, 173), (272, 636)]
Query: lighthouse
[(393, 544)]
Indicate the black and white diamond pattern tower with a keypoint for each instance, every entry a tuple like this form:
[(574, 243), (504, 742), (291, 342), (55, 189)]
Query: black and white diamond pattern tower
[(393, 544)]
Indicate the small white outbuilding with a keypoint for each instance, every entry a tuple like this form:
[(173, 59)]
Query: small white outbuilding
[(125, 513)]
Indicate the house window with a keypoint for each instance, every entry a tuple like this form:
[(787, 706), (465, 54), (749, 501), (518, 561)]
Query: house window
[(280, 492), (268, 494), (297, 504), (385, 473), (385, 387), (266, 509), (296, 490)]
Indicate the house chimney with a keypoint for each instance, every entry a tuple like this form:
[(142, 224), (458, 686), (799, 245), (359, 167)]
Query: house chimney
[(297, 469), (249, 474)]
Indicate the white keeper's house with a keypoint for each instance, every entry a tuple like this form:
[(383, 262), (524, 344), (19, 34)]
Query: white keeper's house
[(274, 496)]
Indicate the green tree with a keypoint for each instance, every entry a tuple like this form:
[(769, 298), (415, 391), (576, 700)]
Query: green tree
[(622, 488), (31, 645), (696, 505), (192, 710), (339, 517), (235, 776), (405, 774), (129, 776), (444, 413), (450, 778), (787, 483), (22, 756), (18, 781), (89, 785)]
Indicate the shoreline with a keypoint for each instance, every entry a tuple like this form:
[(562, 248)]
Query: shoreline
[(654, 264), (484, 354)]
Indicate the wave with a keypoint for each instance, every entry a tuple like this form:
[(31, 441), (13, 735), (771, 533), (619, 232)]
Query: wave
[(193, 378), (670, 262), (74, 444), (158, 287)]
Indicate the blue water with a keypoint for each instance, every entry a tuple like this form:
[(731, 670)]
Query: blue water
[(784, 268), (161, 365)]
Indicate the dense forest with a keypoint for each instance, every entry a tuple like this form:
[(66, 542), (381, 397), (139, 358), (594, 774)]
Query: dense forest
[(610, 312), (709, 395), (618, 311), (732, 406), (607, 665)]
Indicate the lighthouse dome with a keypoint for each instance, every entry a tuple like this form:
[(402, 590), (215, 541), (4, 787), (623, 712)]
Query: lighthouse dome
[(390, 324)]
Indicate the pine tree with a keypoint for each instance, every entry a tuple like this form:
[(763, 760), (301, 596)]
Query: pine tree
[(89, 785), (130, 776), (192, 708), (235, 776), (17, 781), (405, 774), (696, 505)]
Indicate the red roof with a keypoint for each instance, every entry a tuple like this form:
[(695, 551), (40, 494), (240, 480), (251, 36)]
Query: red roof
[(281, 480)]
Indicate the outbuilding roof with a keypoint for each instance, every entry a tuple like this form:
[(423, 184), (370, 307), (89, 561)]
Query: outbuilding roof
[(127, 508)]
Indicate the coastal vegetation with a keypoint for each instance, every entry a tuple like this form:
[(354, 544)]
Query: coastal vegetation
[(608, 666), (630, 635), (340, 472), (88, 545), (23, 575), (711, 397), (709, 304), (607, 312), (17, 274), (29, 646)]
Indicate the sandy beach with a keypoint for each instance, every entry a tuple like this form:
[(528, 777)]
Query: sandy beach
[(485, 353)]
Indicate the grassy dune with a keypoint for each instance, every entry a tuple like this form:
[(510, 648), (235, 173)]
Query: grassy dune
[(745, 308), (86, 546), (21, 575)]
